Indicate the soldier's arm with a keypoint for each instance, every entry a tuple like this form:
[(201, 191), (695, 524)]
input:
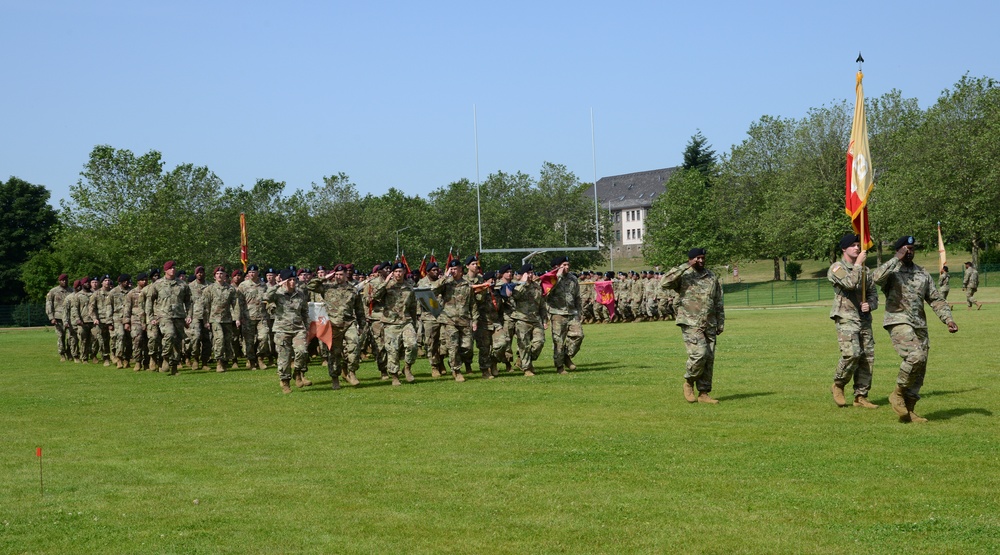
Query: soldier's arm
[(148, 305), (359, 311), (50, 310), (881, 274), (938, 304), (316, 285), (839, 275), (379, 293), (672, 279), (871, 293), (720, 309), (577, 301), (475, 308)]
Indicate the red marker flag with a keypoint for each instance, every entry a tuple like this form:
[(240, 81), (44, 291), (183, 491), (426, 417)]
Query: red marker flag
[(860, 174), (38, 451)]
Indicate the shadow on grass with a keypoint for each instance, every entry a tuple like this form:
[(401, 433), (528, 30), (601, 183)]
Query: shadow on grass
[(952, 392), (954, 413), (738, 396)]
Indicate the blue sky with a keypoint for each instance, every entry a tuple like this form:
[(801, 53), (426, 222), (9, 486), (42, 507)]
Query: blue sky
[(384, 91)]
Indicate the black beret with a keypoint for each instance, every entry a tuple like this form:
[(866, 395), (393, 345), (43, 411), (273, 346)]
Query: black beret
[(489, 275), (399, 266), (559, 260), (454, 263), (154, 272), (320, 268), (526, 268), (695, 252), (106, 277), (470, 259), (504, 269), (141, 276), (432, 265), (287, 273), (903, 241), (123, 278), (271, 271), (385, 265), (609, 275), (848, 240), (252, 268)]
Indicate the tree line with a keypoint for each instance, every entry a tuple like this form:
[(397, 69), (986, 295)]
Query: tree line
[(780, 192)]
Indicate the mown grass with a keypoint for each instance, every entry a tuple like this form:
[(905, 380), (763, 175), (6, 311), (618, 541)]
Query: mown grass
[(609, 459)]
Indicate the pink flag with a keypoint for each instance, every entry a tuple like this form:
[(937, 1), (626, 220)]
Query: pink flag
[(548, 281), (606, 296)]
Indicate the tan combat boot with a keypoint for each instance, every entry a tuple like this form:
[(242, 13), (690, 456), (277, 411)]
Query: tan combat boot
[(458, 376), (285, 388), (251, 365), (305, 381), (689, 395), (395, 379), (164, 367), (493, 370), (435, 373), (137, 368), (561, 370), (107, 362), (297, 376), (912, 416), (569, 364), (529, 372), (897, 403), (62, 358), (235, 366), (838, 395), (486, 374), (704, 398), (384, 376), (862, 401), (220, 367), (352, 379), (408, 374), (261, 365)]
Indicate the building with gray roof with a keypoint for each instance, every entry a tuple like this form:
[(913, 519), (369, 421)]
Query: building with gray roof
[(627, 199)]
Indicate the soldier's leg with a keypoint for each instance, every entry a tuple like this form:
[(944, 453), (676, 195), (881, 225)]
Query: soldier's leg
[(301, 349), (969, 296), (499, 343), (465, 344), (524, 346), (139, 354), (452, 337), (432, 343), (154, 344), (378, 349), (483, 337), (219, 350), (72, 346), (167, 338), (248, 329), (409, 344), (285, 352), (697, 350), (393, 341), (574, 337), (559, 326), (849, 340), (352, 352), (121, 343), (912, 345), (863, 376), (537, 342), (84, 337), (335, 353), (61, 339)]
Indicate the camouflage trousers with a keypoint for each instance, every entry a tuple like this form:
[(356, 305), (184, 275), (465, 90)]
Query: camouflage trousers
[(601, 313), (857, 357), (223, 341), (587, 314), (530, 340), (432, 342), (140, 350), (103, 333), (62, 344), (484, 344), (292, 347), (85, 340), (567, 336), (251, 339), (199, 342), (378, 346), (459, 342), (72, 345), (944, 292), (265, 339), (700, 345), (911, 345), (970, 296), (510, 332), (400, 345), (344, 352), (172, 338), (121, 343), (154, 344)]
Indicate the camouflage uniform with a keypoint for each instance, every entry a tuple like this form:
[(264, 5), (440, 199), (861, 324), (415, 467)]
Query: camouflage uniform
[(221, 303), (72, 346), (399, 312), (459, 311), (854, 328), (154, 339), (121, 341), (701, 317), (84, 323), (563, 306), (649, 286), (529, 316), (376, 327), (168, 305), (431, 330), (943, 284), (346, 311), (291, 319), (488, 326), (638, 302), (587, 294), (134, 316), (199, 341), (253, 327), (55, 301), (970, 282), (102, 313), (906, 288), (509, 328)]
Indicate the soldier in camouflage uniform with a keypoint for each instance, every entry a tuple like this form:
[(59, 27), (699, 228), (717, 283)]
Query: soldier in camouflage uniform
[(944, 278), (563, 305), (970, 283), (134, 320), (221, 303), (120, 342), (907, 287), (529, 315), (291, 319), (488, 316), (638, 300), (153, 335), (503, 288), (251, 296), (67, 315), (346, 311), (493, 322), (701, 317), (169, 308), (399, 313), (102, 313), (430, 324), (376, 327), (852, 313), (82, 319), (55, 300), (650, 288), (265, 335), (459, 316), (199, 342), (601, 313)]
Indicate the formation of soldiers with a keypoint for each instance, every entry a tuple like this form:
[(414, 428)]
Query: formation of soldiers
[(638, 297), (165, 322)]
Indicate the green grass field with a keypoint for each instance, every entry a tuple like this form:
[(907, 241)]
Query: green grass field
[(609, 459)]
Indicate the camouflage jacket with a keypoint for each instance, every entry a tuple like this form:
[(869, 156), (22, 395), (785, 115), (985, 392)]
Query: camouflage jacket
[(426, 283), (134, 311), (906, 288), (637, 291), (399, 305), (196, 288), (486, 302), (564, 297), (846, 280), (102, 307), (167, 299), (118, 294), (344, 304), (649, 289), (458, 303), (67, 309), (374, 307), (55, 302), (252, 299), (220, 302), (943, 280), (528, 303), (81, 307), (291, 309), (970, 279), (699, 302)]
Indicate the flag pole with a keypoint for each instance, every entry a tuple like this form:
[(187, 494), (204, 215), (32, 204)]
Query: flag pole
[(864, 210)]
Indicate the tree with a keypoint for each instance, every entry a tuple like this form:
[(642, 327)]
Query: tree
[(698, 155), (681, 218), (27, 224)]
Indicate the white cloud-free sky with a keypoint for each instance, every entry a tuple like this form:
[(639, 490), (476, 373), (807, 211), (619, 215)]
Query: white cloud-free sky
[(384, 91)]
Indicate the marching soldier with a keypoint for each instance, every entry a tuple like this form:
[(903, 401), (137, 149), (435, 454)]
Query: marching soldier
[(346, 310), (134, 320), (563, 305), (55, 301), (459, 316), (219, 301), (169, 308), (291, 318), (399, 313), (852, 313), (529, 315)]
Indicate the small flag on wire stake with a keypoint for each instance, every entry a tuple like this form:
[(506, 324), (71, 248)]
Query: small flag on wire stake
[(41, 484)]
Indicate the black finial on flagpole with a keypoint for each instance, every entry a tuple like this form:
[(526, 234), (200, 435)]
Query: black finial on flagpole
[(860, 60)]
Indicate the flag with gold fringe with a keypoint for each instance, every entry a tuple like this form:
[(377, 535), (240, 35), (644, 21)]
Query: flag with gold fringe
[(860, 175)]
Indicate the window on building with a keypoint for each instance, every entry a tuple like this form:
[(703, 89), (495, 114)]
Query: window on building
[(618, 235)]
